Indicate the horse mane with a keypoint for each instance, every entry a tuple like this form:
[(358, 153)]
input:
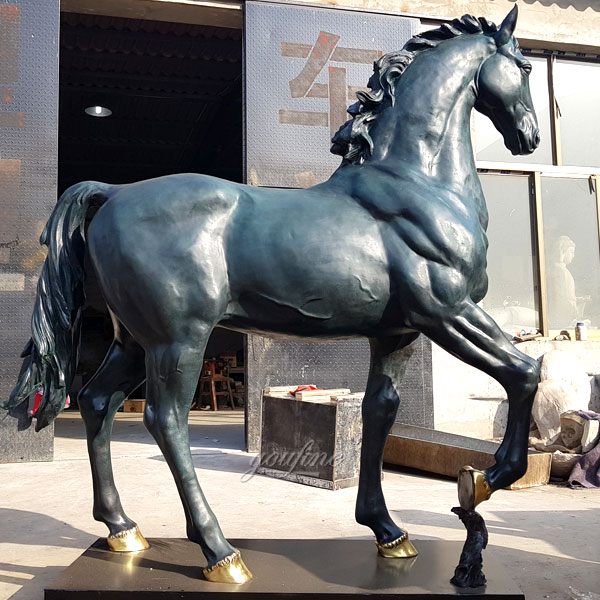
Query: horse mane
[(353, 140)]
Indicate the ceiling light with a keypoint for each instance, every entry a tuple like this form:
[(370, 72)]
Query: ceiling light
[(98, 111)]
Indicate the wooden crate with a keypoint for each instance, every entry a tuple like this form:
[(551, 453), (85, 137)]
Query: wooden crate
[(314, 442), (136, 406)]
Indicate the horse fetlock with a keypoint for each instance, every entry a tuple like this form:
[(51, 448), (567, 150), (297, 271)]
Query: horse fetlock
[(366, 516), (214, 546), (380, 522), (517, 468), (115, 519), (505, 473), (194, 535)]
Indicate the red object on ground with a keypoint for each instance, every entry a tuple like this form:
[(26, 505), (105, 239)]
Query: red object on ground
[(305, 388)]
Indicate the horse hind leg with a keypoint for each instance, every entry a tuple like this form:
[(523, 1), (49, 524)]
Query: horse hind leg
[(389, 357), (172, 377), (121, 372)]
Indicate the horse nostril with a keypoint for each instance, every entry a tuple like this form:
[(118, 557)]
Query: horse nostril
[(536, 137)]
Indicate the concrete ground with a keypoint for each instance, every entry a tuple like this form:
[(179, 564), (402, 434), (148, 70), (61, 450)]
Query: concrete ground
[(548, 538)]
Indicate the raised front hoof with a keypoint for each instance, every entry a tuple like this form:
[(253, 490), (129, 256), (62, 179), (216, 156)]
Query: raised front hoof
[(130, 540), (473, 488), (230, 569), (400, 548)]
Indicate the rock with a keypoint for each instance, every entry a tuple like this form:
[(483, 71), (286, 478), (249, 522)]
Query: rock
[(595, 394), (571, 429), (577, 431), (590, 436), (563, 366), (562, 464), (564, 386), (553, 398)]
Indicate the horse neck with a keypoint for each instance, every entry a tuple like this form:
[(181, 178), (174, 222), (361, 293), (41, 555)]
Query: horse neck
[(428, 128)]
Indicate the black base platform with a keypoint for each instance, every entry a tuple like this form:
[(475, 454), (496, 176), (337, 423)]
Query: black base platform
[(339, 569)]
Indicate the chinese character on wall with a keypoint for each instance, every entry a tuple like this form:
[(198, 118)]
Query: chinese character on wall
[(325, 53)]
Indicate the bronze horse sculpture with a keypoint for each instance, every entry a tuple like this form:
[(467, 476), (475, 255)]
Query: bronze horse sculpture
[(397, 248)]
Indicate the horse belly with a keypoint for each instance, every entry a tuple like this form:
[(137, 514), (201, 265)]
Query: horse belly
[(323, 287)]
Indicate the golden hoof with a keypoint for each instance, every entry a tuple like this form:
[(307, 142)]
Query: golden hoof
[(130, 540), (473, 488), (230, 569), (400, 548)]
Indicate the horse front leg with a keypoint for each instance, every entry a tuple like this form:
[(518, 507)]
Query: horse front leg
[(121, 372), (472, 336), (389, 357), (172, 377)]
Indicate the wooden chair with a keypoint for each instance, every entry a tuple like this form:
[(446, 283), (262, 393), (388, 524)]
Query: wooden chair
[(208, 387)]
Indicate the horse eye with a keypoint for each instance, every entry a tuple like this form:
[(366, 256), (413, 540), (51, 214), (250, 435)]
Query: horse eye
[(526, 67)]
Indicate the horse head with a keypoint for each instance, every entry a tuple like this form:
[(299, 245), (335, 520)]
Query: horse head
[(503, 92)]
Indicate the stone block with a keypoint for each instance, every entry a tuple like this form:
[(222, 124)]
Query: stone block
[(312, 442), (562, 464), (445, 453)]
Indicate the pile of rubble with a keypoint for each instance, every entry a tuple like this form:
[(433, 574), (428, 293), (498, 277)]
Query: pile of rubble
[(564, 425)]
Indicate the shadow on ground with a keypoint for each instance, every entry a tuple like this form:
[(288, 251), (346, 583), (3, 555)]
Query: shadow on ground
[(538, 526), (213, 430), (215, 460), (33, 579)]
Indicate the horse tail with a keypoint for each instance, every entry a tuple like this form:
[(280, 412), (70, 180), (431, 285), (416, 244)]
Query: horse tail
[(50, 356)]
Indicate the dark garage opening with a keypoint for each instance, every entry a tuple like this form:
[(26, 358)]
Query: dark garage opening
[(175, 94)]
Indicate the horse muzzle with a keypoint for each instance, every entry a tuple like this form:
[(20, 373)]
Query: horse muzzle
[(527, 141), (526, 137)]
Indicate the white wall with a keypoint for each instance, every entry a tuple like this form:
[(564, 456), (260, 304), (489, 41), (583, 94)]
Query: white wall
[(468, 402)]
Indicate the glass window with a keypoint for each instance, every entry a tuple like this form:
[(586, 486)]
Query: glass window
[(512, 298), (489, 144), (572, 253), (577, 90)]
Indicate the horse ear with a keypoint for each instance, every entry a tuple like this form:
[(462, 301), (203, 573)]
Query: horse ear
[(506, 30)]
